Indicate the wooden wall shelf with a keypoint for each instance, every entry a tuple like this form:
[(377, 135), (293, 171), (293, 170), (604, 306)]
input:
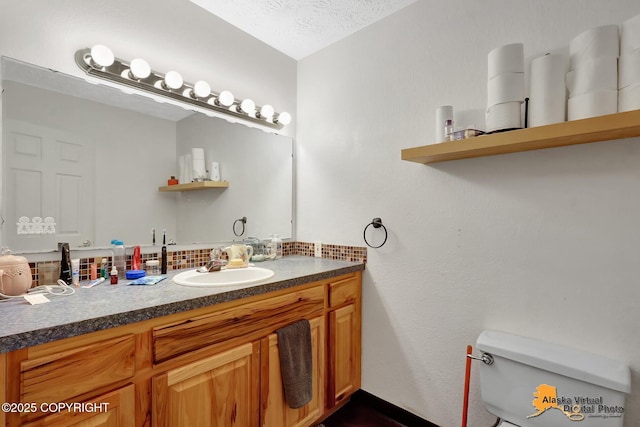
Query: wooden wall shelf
[(602, 128), (192, 186)]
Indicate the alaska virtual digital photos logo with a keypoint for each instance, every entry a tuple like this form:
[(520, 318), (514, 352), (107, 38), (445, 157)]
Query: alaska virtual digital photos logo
[(575, 408)]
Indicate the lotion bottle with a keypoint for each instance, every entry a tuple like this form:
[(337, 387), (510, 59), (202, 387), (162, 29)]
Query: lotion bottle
[(75, 272)]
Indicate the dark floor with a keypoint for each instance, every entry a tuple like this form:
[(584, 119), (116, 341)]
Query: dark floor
[(357, 414)]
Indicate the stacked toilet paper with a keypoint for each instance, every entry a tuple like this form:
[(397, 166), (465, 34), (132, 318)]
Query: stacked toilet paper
[(505, 87), (592, 80), (547, 92), (629, 66)]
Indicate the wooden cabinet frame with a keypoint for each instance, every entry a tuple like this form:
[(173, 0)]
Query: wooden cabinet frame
[(136, 365)]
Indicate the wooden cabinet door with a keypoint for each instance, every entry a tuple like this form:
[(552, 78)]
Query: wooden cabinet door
[(344, 353), (218, 391), (275, 412), (115, 409)]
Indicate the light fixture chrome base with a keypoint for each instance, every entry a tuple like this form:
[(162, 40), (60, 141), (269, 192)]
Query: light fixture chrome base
[(119, 72)]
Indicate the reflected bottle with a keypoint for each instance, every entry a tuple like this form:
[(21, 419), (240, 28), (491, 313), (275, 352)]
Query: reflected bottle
[(276, 246), (119, 257)]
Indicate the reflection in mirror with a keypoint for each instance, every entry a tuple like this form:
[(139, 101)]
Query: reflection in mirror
[(92, 158)]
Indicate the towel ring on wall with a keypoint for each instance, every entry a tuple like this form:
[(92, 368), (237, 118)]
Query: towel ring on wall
[(243, 221), (377, 223)]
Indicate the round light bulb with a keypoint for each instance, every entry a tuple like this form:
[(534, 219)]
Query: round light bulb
[(173, 80), (248, 106), (201, 89), (102, 55), (266, 112), (225, 98), (139, 69), (284, 118)]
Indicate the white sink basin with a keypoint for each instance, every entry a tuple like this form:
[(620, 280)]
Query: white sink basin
[(230, 277)]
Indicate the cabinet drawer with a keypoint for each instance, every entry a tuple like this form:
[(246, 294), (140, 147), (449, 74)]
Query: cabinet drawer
[(69, 373), (344, 291), (265, 315)]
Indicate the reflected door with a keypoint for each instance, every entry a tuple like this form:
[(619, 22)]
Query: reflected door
[(48, 173)]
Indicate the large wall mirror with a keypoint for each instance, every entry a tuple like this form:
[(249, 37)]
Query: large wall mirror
[(93, 157)]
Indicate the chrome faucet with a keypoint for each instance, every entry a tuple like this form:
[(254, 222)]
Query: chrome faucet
[(215, 263)]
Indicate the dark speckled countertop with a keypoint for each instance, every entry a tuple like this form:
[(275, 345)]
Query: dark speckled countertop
[(107, 306)]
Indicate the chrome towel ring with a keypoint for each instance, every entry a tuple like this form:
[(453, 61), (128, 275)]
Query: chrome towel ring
[(242, 221), (377, 223)]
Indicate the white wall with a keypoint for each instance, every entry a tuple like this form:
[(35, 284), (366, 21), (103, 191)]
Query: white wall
[(542, 244)]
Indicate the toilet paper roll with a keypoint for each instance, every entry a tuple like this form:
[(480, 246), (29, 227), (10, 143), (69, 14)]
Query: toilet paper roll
[(181, 170), (443, 114), (547, 91), (504, 116), (629, 98), (593, 104), (630, 35), (199, 169), (506, 59), (197, 153), (629, 69), (507, 87), (594, 43), (188, 170), (593, 75)]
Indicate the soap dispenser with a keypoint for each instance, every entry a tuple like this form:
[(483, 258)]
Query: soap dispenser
[(276, 246)]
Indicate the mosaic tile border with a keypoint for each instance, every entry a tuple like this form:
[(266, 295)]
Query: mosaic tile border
[(338, 252), (194, 258)]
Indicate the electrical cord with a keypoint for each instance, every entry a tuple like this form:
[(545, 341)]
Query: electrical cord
[(61, 289)]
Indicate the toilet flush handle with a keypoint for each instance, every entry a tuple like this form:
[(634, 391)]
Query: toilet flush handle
[(486, 358)]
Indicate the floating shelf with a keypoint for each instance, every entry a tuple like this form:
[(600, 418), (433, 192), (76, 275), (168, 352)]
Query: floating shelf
[(193, 186), (602, 128)]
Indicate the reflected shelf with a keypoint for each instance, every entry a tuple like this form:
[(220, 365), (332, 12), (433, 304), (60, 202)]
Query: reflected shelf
[(192, 186)]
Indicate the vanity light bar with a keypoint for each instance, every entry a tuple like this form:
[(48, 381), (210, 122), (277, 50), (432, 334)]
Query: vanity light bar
[(100, 62)]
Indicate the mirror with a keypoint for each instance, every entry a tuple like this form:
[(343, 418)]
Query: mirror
[(92, 158)]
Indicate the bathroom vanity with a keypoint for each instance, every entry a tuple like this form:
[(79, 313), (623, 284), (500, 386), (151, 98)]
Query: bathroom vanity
[(168, 355)]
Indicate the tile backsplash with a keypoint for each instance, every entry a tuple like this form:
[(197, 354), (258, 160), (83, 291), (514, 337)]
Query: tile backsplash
[(339, 252), (194, 258)]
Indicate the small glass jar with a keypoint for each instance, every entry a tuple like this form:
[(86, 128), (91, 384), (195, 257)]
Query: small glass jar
[(153, 267), (448, 130)]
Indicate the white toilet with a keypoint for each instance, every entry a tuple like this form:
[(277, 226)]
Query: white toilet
[(527, 382)]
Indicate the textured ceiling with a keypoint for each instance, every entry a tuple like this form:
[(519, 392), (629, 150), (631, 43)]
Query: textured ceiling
[(301, 27)]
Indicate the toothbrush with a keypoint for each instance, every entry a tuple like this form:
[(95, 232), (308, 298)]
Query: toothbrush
[(163, 266), (94, 282)]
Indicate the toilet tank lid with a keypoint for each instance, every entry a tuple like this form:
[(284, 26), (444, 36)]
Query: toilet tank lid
[(559, 359)]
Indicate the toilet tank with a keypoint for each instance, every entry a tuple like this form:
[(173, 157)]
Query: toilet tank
[(533, 383)]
